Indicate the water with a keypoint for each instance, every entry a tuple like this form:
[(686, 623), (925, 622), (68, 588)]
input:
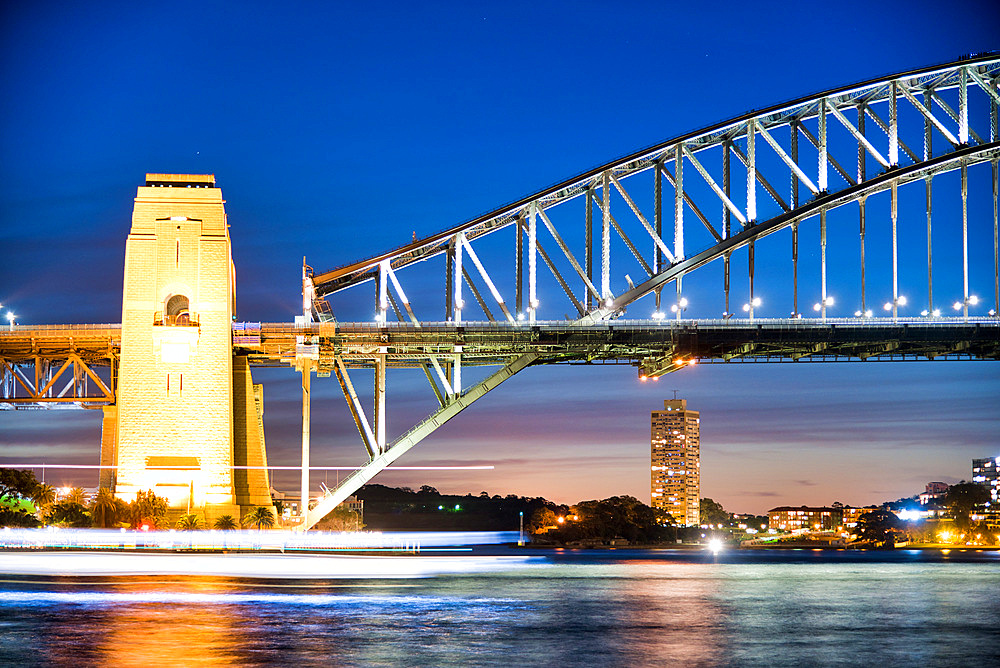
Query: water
[(606, 608)]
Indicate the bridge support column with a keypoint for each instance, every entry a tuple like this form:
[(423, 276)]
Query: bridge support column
[(380, 439), (109, 447), (306, 400), (822, 261), (996, 239), (895, 253), (965, 240)]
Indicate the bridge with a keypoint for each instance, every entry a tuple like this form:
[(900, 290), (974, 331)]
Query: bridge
[(838, 169)]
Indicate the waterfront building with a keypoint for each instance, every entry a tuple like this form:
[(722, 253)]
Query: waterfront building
[(934, 492), (809, 518), (675, 461), (849, 515), (987, 472)]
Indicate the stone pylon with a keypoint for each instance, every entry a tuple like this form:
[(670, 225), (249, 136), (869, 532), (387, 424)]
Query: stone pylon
[(186, 409)]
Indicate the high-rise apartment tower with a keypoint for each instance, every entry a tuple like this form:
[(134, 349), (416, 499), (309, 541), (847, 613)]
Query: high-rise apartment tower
[(675, 461)]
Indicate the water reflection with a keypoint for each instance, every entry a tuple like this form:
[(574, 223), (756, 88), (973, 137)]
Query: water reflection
[(611, 611), (170, 633)]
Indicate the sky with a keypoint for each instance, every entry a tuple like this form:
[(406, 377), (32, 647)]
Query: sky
[(338, 130)]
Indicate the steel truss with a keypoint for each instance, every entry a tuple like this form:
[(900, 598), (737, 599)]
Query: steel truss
[(56, 366), (805, 144)]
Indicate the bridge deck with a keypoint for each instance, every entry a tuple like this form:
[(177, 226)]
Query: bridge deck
[(622, 341)]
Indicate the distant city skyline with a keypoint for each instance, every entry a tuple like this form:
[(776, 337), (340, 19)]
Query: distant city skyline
[(338, 132)]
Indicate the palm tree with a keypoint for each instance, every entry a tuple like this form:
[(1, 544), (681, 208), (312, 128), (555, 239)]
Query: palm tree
[(225, 523), (76, 495), (189, 523), (260, 518), (104, 509), (44, 495)]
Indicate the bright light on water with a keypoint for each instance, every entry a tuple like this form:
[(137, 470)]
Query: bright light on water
[(579, 607)]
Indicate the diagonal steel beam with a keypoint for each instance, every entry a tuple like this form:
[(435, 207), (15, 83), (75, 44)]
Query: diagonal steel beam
[(888, 131), (555, 272), (929, 116), (569, 256), (418, 433), (833, 161), (54, 377), (625, 238), (687, 200), (715, 187), (486, 277), (951, 113), (792, 165), (354, 404), (426, 367), (642, 219), (981, 82), (475, 293), (760, 178), (857, 135)]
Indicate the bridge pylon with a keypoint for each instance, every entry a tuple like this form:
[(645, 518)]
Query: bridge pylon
[(187, 410)]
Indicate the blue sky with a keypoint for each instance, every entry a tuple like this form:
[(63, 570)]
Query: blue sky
[(337, 130)]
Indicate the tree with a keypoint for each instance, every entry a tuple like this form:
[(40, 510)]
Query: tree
[(542, 520), (615, 517), (428, 490), (340, 518), (43, 496), (878, 527), (68, 514), (259, 518), (76, 495), (147, 509), (279, 507), (225, 523), (664, 517), (17, 484), (962, 498), (190, 522), (104, 509), (17, 517), (711, 512)]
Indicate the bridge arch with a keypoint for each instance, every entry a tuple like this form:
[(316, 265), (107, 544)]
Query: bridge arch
[(614, 235)]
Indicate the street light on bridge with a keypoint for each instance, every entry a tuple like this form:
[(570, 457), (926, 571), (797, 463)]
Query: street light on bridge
[(895, 304), (679, 307), (822, 305), (748, 308), (964, 305)]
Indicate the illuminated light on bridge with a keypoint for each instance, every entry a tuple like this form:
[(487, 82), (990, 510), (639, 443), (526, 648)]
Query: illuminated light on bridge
[(838, 163)]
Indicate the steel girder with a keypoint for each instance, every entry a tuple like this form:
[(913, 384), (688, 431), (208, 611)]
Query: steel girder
[(56, 366), (755, 143)]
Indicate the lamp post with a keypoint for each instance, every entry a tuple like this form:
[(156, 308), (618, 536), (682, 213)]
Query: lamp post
[(894, 305), (964, 305), (520, 533), (822, 305), (679, 307), (749, 307), (11, 318)]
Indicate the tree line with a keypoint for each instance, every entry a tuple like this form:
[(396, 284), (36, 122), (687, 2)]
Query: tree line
[(26, 502)]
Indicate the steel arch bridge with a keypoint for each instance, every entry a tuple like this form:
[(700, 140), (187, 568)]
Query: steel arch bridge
[(734, 183), (602, 268)]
